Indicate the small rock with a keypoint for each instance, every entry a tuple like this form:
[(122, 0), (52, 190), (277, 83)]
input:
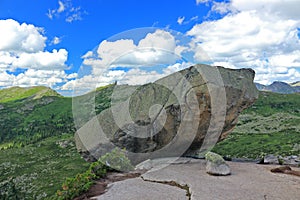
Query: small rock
[(291, 160), (294, 157), (271, 159), (216, 165)]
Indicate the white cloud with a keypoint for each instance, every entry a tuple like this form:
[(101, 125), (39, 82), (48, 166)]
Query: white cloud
[(262, 35), (222, 7), (109, 51), (184, 21), (284, 9), (180, 20), (6, 60), (134, 76), (154, 56), (286, 60), (56, 40), (88, 55), (158, 47), (82, 85), (176, 67), (17, 37), (71, 13), (22, 49), (146, 57), (50, 14), (61, 7), (6, 79), (42, 60), (139, 77), (202, 1), (41, 77), (159, 39), (74, 17)]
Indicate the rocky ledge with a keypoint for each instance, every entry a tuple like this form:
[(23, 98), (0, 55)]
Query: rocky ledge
[(187, 179)]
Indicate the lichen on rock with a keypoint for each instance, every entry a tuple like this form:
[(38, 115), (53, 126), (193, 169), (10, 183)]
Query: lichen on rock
[(216, 165)]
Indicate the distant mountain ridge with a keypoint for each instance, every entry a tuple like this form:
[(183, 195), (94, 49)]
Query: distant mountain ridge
[(297, 83), (280, 87), (18, 93)]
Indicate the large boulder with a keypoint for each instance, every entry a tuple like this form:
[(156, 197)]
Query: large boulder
[(180, 114)]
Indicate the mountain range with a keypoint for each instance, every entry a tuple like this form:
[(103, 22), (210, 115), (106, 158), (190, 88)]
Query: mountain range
[(280, 87)]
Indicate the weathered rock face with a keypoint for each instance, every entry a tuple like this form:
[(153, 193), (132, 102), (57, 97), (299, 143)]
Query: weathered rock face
[(177, 115)]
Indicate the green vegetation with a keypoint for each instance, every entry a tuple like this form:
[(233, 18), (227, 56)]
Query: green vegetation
[(214, 158), (116, 160), (34, 123), (270, 103), (37, 171), (30, 120), (270, 126), (26, 121), (256, 145), (18, 93)]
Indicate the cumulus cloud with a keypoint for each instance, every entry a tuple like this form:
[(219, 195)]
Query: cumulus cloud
[(22, 49), (262, 35), (42, 60), (158, 47), (70, 12), (222, 7), (159, 39), (134, 76), (41, 77), (280, 8), (6, 79), (141, 61), (17, 37)]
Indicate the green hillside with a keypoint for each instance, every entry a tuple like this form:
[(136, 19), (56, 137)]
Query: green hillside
[(37, 149), (270, 126), (41, 115), (38, 170), (29, 120), (19, 93)]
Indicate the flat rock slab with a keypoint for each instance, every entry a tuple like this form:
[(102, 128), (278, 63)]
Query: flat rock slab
[(136, 188), (247, 181)]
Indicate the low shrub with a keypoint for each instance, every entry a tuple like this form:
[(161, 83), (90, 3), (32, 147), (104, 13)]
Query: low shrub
[(116, 160)]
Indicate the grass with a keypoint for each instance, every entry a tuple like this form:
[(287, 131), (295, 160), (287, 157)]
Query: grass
[(38, 170), (32, 163), (270, 126), (270, 103), (256, 145), (32, 120), (73, 187), (17, 93)]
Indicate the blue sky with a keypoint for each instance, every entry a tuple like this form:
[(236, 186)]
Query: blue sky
[(46, 42)]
